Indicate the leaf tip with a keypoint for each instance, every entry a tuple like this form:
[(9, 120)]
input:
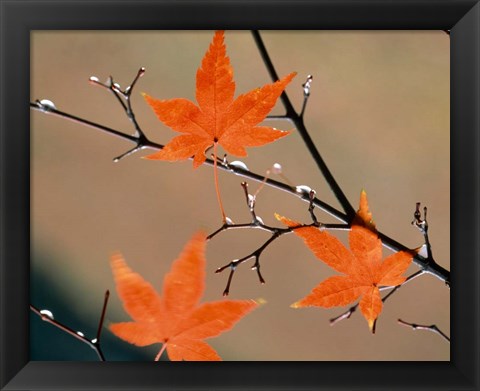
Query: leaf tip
[(371, 325), (260, 301)]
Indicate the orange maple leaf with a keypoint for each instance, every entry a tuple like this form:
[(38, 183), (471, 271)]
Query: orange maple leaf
[(175, 319), (362, 265), (218, 118)]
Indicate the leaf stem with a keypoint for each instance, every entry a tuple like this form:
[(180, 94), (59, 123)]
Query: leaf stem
[(157, 357), (217, 187)]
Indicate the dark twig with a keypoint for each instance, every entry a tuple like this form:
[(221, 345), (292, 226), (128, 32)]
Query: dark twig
[(255, 254), (47, 316), (142, 141), (396, 288), (256, 222), (298, 121), (433, 328)]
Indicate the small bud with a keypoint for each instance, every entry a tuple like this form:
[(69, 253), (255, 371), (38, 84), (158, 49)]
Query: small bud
[(277, 168), (307, 85)]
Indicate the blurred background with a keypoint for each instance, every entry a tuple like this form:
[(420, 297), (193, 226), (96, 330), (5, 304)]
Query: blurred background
[(379, 115)]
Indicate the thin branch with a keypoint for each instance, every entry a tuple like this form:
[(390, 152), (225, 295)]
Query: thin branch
[(298, 121), (256, 222), (433, 328), (47, 316), (255, 254)]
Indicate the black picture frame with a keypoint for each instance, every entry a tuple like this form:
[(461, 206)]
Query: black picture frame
[(18, 18)]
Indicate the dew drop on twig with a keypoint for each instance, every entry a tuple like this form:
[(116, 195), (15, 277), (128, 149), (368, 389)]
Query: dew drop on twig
[(422, 251), (47, 314), (228, 221), (80, 334), (94, 79), (259, 219), (302, 189), (251, 201), (238, 164), (47, 105)]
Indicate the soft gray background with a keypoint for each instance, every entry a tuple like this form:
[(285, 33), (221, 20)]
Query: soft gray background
[(379, 115)]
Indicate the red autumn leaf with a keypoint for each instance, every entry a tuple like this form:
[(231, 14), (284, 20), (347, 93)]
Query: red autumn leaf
[(175, 319), (218, 118), (362, 266)]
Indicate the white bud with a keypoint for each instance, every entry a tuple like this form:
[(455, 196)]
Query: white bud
[(277, 168)]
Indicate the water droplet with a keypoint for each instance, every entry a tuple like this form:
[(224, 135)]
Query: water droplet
[(251, 201), (307, 85), (260, 220), (94, 340), (302, 189), (47, 105), (47, 313), (116, 86), (80, 334), (228, 221), (277, 168), (422, 251), (94, 79), (238, 164)]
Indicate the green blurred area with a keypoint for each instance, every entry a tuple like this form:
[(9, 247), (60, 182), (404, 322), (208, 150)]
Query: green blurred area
[(379, 115)]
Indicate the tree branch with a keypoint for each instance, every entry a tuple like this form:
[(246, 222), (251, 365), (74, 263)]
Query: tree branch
[(47, 316), (433, 328), (299, 124)]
